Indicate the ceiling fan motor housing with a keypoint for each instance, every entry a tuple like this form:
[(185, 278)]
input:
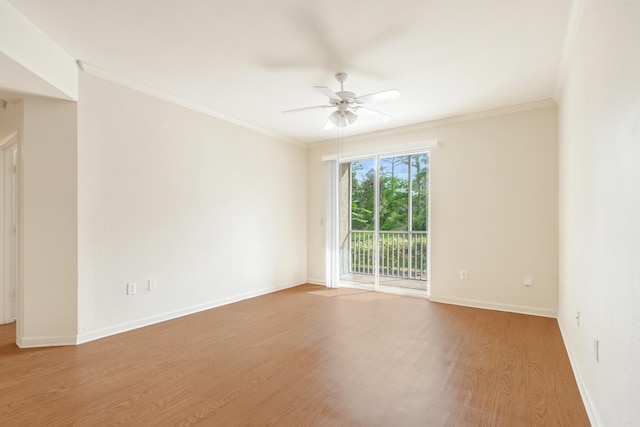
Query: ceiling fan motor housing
[(346, 95)]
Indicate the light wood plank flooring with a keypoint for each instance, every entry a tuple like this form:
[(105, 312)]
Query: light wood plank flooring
[(304, 356)]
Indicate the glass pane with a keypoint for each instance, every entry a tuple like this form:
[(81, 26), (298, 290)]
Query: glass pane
[(394, 193), (403, 211), (419, 188), (363, 180), (357, 222), (420, 215)]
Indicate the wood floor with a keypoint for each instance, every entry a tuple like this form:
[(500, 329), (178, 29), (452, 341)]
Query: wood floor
[(304, 356)]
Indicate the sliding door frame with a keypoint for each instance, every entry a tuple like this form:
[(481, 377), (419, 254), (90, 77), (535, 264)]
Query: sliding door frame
[(332, 176)]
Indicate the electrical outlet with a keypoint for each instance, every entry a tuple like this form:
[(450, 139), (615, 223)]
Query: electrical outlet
[(152, 285), (528, 280), (463, 275), (131, 288)]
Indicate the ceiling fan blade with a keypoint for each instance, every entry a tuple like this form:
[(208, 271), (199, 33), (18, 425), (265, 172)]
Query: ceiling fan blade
[(315, 107), (379, 96), (372, 113), (328, 92)]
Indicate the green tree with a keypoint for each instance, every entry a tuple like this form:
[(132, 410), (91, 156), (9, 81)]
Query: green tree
[(394, 175), (362, 197), (394, 193), (419, 191)]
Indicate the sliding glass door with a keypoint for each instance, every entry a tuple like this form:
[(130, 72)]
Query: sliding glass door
[(383, 218), (402, 231), (358, 201)]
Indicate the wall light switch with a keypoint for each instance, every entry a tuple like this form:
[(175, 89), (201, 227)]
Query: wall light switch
[(152, 285), (463, 275)]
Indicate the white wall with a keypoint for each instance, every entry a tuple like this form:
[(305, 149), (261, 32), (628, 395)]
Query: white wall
[(213, 212), (47, 294), (600, 210), (493, 208), (47, 274)]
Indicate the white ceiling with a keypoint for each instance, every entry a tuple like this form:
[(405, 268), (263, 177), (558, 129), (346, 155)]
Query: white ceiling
[(252, 59)]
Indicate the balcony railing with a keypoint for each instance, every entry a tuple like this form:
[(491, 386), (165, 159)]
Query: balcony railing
[(402, 254)]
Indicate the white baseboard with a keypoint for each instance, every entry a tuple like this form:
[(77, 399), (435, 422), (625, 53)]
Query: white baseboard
[(535, 311), (586, 398), (128, 326), (31, 342), (316, 282)]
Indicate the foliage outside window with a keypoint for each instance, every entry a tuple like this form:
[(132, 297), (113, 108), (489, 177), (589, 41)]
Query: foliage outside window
[(401, 178)]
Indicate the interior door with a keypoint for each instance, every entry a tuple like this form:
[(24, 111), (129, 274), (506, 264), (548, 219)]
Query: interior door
[(8, 232), (13, 234)]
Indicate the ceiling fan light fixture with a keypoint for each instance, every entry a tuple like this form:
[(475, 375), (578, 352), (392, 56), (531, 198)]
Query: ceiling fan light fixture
[(338, 118), (351, 117)]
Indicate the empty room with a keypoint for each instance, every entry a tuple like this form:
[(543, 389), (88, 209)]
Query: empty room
[(362, 213)]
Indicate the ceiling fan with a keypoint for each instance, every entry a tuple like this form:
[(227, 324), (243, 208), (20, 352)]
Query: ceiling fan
[(348, 105)]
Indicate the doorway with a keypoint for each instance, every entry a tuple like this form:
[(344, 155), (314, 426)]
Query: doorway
[(383, 232), (9, 228)]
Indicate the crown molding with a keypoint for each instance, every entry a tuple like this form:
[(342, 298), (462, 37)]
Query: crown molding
[(441, 122), (148, 90), (575, 19), (140, 87)]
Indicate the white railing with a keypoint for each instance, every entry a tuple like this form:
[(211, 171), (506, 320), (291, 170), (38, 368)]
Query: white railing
[(402, 254)]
